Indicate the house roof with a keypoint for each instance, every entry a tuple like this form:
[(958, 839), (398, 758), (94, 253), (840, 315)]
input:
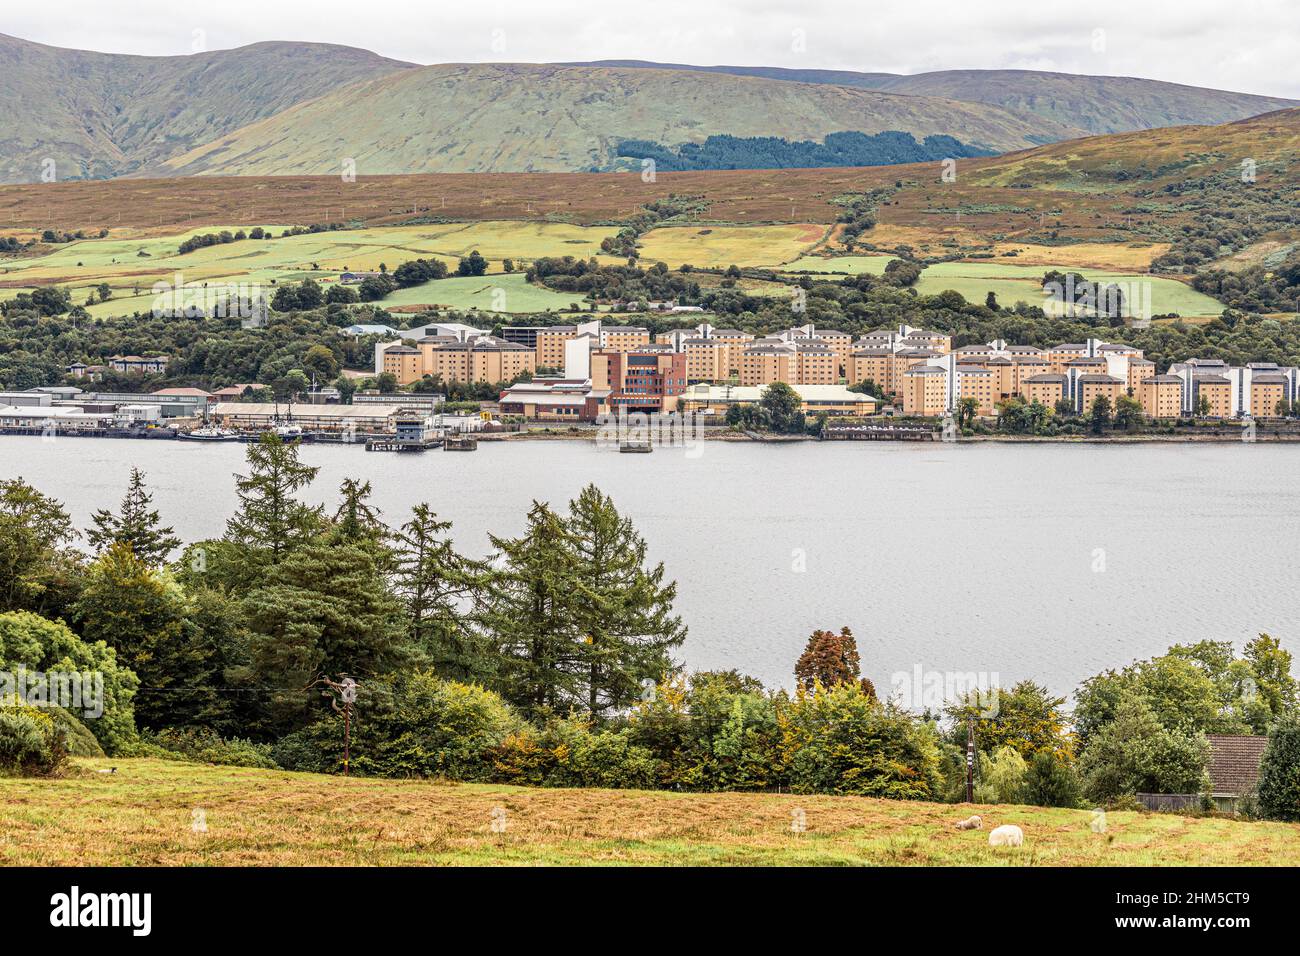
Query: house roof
[(1234, 762)]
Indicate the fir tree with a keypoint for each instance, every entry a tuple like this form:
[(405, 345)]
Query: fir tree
[(438, 585), (530, 608), (270, 518), (325, 609), (624, 607), (356, 520), (140, 612), (136, 526)]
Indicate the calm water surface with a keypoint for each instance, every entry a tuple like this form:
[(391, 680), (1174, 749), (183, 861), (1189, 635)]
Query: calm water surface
[(1043, 561)]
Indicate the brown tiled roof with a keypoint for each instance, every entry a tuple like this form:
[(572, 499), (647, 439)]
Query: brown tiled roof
[(1234, 762)]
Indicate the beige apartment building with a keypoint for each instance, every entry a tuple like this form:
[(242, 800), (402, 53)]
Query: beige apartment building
[(924, 389), (623, 338), (1046, 388), (404, 363), (549, 352), (1217, 391), (484, 359), (801, 362), (1139, 370), (1091, 386), (979, 383), (1161, 396), (1266, 393), (874, 365)]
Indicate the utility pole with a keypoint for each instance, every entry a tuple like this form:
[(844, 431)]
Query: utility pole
[(970, 759), (345, 690)]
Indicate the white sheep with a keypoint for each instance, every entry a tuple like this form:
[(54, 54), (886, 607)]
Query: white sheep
[(1006, 835), (970, 823)]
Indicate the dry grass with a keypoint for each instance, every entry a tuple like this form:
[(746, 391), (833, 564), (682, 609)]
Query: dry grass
[(142, 815)]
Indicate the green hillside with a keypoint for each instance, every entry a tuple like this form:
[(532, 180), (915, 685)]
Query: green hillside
[(1097, 104), (538, 118), (99, 114)]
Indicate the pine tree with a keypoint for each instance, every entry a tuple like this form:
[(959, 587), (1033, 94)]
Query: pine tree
[(624, 607), (324, 610), (140, 612), (529, 607), (438, 585), (270, 518), (135, 526), (356, 519)]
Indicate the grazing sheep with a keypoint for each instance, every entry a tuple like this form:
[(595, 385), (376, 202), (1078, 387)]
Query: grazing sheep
[(1006, 835), (970, 823)]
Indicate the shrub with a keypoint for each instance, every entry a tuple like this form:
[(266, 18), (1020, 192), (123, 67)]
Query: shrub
[(1050, 782), (81, 742), (1133, 753), (1002, 778), (32, 744), (415, 725), (30, 641), (842, 741), (1279, 773), (201, 745)]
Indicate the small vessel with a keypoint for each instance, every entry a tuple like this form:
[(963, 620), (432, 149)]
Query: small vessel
[(288, 431), (461, 442), (209, 433)]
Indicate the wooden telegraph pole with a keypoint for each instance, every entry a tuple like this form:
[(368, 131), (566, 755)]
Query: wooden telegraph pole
[(343, 690), (970, 759)]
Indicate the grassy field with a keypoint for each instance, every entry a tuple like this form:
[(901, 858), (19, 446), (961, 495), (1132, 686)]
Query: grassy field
[(1013, 283), (492, 293), (721, 246), (82, 265), (144, 815)]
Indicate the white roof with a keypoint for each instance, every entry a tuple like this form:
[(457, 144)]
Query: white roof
[(307, 411), (44, 412)]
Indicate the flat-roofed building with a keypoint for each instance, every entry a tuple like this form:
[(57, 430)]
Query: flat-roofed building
[(640, 380), (53, 420), (1161, 396), (831, 400), (554, 400), (254, 416)]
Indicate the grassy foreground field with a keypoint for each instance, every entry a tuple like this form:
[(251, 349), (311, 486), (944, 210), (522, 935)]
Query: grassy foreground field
[(145, 815)]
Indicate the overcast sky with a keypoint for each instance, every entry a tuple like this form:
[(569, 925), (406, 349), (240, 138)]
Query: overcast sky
[(1246, 45)]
